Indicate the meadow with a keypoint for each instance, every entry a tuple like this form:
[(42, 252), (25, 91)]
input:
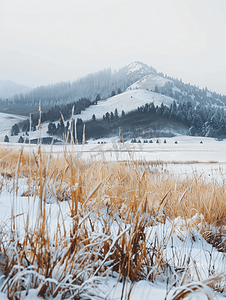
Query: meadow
[(79, 227)]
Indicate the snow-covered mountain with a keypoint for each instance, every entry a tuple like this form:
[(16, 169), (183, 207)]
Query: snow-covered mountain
[(135, 86), (140, 68)]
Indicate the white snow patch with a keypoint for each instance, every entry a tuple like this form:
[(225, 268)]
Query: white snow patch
[(149, 82), (6, 123), (126, 101)]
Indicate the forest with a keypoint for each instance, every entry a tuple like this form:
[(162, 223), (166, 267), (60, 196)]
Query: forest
[(147, 121), (198, 120)]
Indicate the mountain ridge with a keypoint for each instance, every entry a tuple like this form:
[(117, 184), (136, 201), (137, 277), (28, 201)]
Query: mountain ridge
[(9, 88)]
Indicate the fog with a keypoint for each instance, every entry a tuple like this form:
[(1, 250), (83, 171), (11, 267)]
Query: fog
[(46, 41)]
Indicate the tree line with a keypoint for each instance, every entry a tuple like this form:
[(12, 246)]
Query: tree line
[(199, 120)]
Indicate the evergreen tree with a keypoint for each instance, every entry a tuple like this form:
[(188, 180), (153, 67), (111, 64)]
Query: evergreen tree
[(156, 89), (52, 128), (15, 129), (107, 116), (197, 121), (6, 139), (21, 139), (173, 109), (152, 109), (112, 117), (79, 130), (26, 126), (116, 113)]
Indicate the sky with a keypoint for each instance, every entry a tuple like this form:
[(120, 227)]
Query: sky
[(47, 41)]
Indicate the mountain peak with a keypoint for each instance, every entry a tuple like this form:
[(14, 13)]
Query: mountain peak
[(139, 67)]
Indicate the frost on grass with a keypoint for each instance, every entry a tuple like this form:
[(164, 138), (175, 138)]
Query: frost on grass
[(87, 233)]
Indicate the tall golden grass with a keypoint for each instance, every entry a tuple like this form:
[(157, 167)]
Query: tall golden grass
[(130, 196)]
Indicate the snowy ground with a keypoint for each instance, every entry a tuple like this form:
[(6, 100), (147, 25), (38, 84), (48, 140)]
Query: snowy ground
[(6, 123), (149, 82), (126, 101), (206, 159), (201, 253)]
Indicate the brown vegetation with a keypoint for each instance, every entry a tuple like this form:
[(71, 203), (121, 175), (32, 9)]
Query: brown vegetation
[(133, 196)]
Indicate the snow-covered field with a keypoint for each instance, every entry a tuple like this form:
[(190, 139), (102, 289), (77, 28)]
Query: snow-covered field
[(187, 245), (184, 156)]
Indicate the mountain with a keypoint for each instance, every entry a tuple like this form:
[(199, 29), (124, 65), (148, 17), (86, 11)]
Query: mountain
[(9, 89), (136, 70), (102, 84), (135, 98), (107, 83)]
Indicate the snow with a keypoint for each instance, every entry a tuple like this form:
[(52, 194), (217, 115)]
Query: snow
[(207, 159), (208, 94), (149, 82), (126, 101), (6, 123), (176, 89), (187, 149), (133, 67), (181, 240), (8, 120), (136, 66)]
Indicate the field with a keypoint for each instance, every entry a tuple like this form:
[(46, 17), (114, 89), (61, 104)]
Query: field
[(113, 221)]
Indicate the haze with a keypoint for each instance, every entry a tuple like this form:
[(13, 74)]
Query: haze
[(47, 41)]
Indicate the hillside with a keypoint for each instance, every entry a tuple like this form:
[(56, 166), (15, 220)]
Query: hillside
[(106, 83), (149, 82), (6, 122), (9, 89), (127, 101), (99, 85)]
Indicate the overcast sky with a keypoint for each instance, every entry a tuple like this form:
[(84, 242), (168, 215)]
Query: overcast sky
[(46, 41)]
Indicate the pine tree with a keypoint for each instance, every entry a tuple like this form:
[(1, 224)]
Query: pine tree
[(79, 130), (6, 139), (21, 139), (15, 129), (116, 113)]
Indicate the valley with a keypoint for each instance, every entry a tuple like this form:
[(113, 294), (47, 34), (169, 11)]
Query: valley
[(127, 202)]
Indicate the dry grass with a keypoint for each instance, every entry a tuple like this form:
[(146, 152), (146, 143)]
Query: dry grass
[(99, 195), (127, 182)]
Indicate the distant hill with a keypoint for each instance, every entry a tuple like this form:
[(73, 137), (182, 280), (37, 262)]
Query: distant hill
[(135, 98), (101, 85), (9, 89), (104, 84)]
